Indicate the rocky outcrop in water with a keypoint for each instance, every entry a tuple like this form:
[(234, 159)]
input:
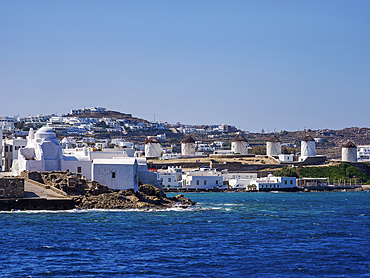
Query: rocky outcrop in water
[(147, 197), (88, 194)]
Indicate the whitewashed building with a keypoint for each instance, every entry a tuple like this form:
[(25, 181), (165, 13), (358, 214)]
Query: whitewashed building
[(271, 183), (171, 177), (10, 149), (67, 143), (286, 158), (363, 153), (239, 180), (7, 123), (114, 168), (202, 179)]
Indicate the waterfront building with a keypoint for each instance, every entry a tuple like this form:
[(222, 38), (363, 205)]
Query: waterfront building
[(270, 183), (273, 146), (239, 145), (239, 180), (171, 177), (349, 152), (202, 179), (116, 168)]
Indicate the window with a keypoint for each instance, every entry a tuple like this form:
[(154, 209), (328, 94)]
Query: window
[(291, 181), (169, 179), (161, 179), (79, 169), (113, 175), (216, 181), (2, 192), (286, 182), (197, 182), (205, 182), (6, 149)]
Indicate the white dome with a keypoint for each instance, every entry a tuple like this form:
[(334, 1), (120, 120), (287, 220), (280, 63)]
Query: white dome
[(45, 133)]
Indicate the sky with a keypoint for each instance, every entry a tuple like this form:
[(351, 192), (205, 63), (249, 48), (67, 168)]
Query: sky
[(272, 65)]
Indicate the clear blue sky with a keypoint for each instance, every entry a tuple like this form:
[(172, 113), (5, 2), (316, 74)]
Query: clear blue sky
[(281, 65)]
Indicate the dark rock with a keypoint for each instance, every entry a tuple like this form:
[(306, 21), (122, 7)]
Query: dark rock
[(90, 194)]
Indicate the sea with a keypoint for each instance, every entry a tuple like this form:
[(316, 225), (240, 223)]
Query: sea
[(310, 234)]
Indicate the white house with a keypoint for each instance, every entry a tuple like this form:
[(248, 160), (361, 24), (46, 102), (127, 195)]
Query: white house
[(171, 177), (7, 123), (202, 179), (120, 173), (239, 180), (363, 153), (10, 149), (286, 158), (67, 143), (271, 182), (122, 143)]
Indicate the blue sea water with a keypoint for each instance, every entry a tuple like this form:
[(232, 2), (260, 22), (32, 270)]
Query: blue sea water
[(323, 234)]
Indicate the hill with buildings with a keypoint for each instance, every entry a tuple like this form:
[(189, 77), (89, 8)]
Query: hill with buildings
[(108, 114)]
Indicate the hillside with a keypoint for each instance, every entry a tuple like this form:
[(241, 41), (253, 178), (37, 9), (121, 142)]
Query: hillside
[(112, 115)]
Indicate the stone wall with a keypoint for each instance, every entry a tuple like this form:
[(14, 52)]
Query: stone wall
[(11, 188), (147, 177)]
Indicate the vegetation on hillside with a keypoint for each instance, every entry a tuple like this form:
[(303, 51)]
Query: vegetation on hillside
[(343, 172)]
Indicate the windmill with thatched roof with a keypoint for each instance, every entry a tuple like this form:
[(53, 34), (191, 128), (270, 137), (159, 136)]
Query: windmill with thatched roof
[(188, 145), (239, 145), (153, 147)]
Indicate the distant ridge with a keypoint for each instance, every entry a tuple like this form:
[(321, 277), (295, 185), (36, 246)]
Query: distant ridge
[(112, 115)]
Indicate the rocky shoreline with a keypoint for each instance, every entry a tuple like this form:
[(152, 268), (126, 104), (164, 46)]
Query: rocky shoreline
[(86, 194), (147, 197)]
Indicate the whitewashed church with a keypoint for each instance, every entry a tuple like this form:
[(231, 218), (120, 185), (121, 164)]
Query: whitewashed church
[(117, 169)]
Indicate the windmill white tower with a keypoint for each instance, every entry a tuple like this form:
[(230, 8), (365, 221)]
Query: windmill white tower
[(273, 146), (153, 147), (239, 145), (308, 147), (188, 146), (1, 149), (349, 152)]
